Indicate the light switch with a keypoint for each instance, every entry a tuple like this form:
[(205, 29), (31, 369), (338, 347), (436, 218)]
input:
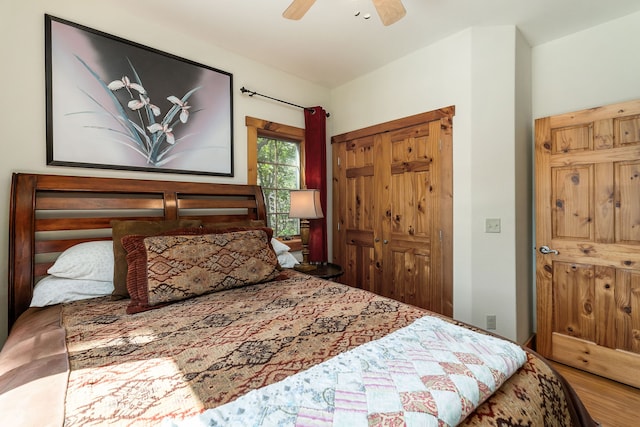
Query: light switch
[(492, 225)]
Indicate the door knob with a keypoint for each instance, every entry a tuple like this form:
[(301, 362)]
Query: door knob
[(385, 241), (546, 250)]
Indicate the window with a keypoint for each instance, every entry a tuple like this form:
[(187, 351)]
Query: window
[(275, 161), (279, 172)]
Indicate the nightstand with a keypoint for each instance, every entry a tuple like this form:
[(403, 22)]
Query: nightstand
[(326, 270)]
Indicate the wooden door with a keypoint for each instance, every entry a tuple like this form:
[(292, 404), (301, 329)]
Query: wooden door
[(588, 210), (409, 240), (359, 203), (392, 209)]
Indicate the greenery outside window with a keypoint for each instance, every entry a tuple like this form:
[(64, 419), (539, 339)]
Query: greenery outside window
[(275, 161), (279, 172)]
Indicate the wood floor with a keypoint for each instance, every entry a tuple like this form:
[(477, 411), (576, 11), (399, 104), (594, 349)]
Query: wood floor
[(610, 403)]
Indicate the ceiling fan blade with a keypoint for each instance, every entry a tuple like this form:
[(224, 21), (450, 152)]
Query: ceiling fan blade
[(297, 9), (390, 11)]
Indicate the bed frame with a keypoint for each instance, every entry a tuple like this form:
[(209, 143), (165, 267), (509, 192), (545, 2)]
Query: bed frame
[(50, 213)]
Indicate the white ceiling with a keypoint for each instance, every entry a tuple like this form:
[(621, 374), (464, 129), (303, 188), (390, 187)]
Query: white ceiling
[(331, 46)]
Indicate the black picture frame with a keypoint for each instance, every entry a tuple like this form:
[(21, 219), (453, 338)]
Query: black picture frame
[(116, 104)]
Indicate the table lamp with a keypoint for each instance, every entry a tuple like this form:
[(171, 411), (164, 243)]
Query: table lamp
[(305, 205)]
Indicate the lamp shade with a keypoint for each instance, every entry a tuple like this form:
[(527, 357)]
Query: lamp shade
[(305, 204)]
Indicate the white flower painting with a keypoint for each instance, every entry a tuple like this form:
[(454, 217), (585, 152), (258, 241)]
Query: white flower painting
[(115, 104)]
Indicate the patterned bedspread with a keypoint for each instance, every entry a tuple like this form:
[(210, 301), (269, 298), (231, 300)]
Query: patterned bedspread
[(209, 350), (430, 373), (180, 360)]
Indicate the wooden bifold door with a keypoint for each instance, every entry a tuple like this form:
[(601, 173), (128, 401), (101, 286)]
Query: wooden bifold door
[(588, 240), (392, 199)]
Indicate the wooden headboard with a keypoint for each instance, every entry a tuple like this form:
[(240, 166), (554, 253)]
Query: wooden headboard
[(50, 213)]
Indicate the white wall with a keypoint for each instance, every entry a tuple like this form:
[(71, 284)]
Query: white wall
[(588, 69), (434, 77), (524, 247), (493, 185), (475, 71), (23, 109)]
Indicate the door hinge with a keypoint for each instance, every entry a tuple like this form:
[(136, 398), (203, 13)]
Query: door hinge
[(440, 144), (338, 160), (440, 233), (338, 226)]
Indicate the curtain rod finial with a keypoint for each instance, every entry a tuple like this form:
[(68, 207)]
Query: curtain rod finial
[(251, 93), (245, 90)]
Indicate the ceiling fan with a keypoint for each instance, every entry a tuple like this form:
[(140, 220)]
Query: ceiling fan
[(390, 11)]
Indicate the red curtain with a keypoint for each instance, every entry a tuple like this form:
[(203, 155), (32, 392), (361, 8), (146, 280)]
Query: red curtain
[(315, 173)]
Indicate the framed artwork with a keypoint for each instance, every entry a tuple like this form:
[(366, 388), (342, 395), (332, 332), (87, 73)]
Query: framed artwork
[(116, 104)]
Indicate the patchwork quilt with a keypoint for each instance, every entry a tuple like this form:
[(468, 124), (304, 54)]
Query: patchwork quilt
[(430, 373)]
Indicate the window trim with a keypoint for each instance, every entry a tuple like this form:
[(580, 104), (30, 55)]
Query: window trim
[(259, 127)]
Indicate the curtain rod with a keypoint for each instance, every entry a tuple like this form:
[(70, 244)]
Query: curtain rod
[(251, 93)]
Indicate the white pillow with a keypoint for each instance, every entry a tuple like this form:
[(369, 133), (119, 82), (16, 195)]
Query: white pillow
[(279, 247), (287, 260), (88, 260), (54, 290)]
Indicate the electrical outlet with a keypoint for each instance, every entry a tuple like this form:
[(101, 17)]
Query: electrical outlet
[(491, 322), (492, 225)]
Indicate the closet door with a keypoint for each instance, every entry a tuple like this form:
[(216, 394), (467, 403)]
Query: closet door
[(355, 159), (408, 240), (392, 209)]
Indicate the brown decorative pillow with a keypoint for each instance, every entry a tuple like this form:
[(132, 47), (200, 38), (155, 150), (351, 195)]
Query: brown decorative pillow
[(121, 228), (177, 266), (220, 227)]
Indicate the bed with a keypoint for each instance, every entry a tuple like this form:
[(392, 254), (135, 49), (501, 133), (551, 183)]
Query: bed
[(272, 347)]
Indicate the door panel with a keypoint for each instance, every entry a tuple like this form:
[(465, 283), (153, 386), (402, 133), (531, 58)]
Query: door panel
[(359, 181), (627, 130), (572, 139), (574, 297), (588, 209), (411, 274), (408, 229), (605, 310), (360, 205), (628, 304), (570, 187), (359, 265), (627, 202)]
